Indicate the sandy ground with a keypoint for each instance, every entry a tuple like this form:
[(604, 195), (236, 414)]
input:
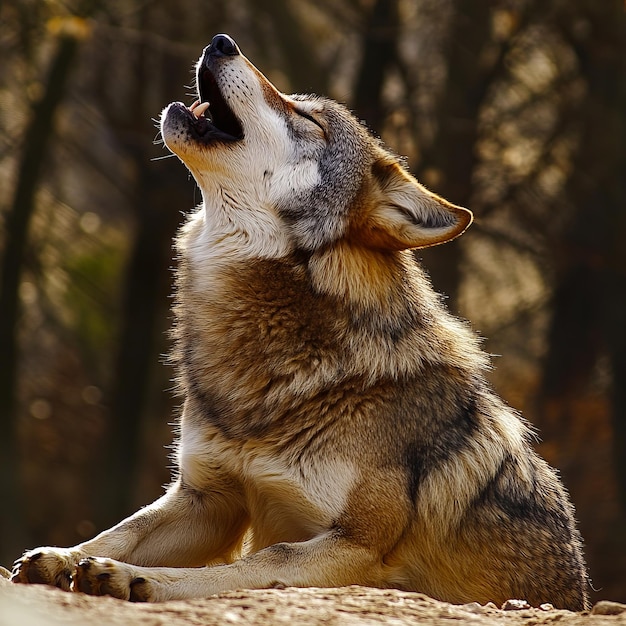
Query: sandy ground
[(38, 605)]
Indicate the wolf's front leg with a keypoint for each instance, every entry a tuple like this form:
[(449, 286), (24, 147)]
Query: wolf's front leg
[(182, 528), (329, 560)]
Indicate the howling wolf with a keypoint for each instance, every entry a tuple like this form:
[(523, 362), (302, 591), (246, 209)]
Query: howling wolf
[(337, 427)]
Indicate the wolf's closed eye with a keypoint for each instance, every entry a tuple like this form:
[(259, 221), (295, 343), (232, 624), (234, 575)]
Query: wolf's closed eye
[(311, 119)]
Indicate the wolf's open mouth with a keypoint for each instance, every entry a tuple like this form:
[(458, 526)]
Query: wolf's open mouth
[(212, 117)]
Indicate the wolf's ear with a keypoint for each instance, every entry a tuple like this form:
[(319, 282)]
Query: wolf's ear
[(407, 215)]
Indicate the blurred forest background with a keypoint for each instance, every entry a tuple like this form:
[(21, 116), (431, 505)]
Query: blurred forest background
[(514, 108)]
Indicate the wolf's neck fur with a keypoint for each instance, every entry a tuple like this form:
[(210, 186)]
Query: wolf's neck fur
[(227, 228), (357, 304)]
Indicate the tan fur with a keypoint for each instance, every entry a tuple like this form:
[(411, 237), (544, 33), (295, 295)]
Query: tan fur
[(337, 426)]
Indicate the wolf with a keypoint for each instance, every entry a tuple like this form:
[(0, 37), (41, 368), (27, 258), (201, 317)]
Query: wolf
[(337, 425)]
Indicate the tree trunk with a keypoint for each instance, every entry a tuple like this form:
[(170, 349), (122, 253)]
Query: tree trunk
[(144, 305), (379, 54), (589, 314), (36, 141), (453, 152), (160, 191)]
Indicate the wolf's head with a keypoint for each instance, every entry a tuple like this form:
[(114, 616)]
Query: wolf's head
[(302, 164)]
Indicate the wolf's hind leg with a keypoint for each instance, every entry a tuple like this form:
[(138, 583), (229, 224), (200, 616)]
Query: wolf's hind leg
[(182, 528)]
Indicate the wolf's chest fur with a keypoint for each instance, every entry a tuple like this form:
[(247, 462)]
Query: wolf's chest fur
[(290, 494)]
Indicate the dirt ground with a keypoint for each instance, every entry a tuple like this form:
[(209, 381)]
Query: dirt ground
[(37, 605)]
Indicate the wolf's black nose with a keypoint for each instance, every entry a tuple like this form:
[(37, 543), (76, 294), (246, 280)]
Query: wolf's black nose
[(223, 45)]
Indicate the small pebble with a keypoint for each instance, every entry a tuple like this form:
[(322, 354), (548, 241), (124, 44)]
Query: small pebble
[(515, 605), (474, 607), (546, 606), (607, 607)]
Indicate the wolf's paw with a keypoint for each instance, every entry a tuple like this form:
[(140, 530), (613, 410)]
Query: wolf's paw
[(47, 566), (105, 577)]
